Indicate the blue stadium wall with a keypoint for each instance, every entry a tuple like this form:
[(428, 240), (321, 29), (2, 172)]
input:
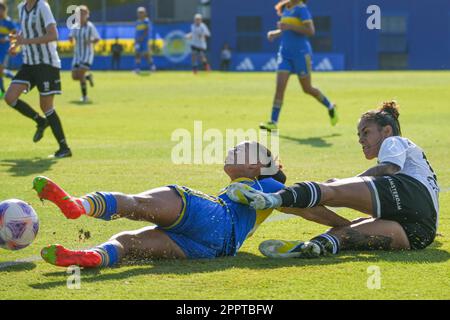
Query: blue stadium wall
[(415, 34)]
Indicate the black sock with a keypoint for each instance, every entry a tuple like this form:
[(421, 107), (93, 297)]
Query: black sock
[(55, 124), (328, 243), (28, 112), (84, 89), (301, 195)]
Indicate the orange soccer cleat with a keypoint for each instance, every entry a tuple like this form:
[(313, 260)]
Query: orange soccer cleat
[(59, 256), (71, 207)]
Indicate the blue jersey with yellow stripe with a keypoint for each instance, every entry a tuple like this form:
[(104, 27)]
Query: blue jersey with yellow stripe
[(246, 219), (294, 43), (142, 30), (6, 26)]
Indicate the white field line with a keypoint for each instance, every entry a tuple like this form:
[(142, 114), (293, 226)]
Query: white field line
[(280, 217)]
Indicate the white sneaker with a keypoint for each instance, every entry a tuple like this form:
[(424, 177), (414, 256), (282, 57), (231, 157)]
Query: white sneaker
[(242, 193), (280, 249)]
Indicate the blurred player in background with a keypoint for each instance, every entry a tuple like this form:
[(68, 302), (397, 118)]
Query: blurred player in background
[(41, 69), (198, 36), (85, 37), (225, 57), (143, 34), (295, 56), (116, 54), (7, 27)]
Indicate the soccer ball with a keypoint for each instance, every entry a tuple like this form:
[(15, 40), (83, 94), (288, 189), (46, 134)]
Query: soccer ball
[(19, 224)]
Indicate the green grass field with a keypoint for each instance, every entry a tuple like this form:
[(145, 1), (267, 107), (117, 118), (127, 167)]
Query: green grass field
[(122, 142)]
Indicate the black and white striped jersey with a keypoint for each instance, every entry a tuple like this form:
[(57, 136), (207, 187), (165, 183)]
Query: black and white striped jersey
[(33, 24), (84, 48)]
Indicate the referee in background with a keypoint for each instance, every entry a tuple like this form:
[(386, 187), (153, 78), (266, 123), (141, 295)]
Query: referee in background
[(41, 69)]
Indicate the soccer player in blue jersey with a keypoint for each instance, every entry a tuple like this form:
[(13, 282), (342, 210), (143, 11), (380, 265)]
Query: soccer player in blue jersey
[(295, 56), (7, 27), (143, 33), (189, 223)]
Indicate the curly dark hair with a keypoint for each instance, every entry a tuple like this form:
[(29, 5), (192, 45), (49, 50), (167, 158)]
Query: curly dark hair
[(387, 115)]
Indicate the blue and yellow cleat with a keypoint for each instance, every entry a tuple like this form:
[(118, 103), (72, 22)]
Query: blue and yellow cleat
[(280, 249), (244, 194), (269, 126)]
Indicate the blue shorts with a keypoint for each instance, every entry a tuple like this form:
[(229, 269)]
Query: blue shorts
[(204, 229), (141, 47), (3, 56), (301, 65)]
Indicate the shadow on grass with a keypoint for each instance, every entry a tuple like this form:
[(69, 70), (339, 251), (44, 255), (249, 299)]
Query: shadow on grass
[(16, 266), (81, 103), (243, 260), (317, 142), (27, 167)]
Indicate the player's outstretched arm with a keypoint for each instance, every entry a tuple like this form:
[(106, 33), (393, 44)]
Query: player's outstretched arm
[(274, 34), (381, 169)]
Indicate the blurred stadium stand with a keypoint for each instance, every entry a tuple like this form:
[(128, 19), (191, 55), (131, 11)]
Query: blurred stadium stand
[(415, 33)]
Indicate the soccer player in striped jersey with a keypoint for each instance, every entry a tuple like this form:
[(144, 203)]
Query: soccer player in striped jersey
[(7, 27), (41, 69), (143, 33), (198, 36), (190, 224), (294, 57), (85, 37), (400, 194)]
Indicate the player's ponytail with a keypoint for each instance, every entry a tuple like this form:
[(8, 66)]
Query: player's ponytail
[(387, 115), (391, 108)]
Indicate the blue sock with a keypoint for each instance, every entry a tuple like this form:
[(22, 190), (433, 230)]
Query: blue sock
[(276, 109), (8, 73), (109, 254), (2, 86), (101, 205), (324, 100)]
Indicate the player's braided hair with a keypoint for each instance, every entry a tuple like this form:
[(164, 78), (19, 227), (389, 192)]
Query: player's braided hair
[(387, 115)]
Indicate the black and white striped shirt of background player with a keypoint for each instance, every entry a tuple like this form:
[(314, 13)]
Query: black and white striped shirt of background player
[(33, 24), (84, 48)]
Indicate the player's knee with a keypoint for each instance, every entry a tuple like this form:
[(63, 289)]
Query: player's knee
[(328, 193), (10, 99), (125, 239), (308, 90)]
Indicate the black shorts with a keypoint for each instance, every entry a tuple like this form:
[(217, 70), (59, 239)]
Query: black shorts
[(197, 50), (82, 65), (43, 76), (405, 200)]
